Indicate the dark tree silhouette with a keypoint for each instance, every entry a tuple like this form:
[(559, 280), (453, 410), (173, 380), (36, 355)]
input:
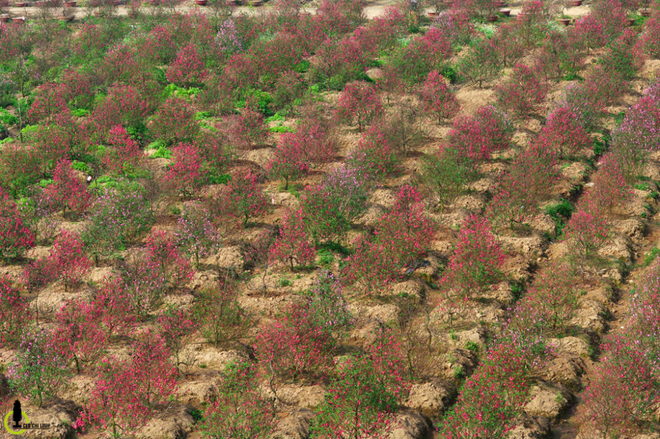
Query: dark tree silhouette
[(17, 415)]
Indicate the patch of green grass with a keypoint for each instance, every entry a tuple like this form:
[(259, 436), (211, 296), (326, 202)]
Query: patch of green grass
[(282, 129), (7, 118), (335, 247), (277, 117), (219, 178), (560, 213), (80, 112), (80, 166), (285, 282), (651, 256), (162, 153), (325, 257), (472, 346)]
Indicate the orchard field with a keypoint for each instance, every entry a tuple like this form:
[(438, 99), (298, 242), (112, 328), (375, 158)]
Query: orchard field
[(294, 221)]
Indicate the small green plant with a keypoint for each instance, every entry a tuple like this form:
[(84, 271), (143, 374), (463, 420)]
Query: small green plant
[(651, 256), (560, 213), (285, 282), (459, 372), (163, 153), (472, 346), (196, 415), (277, 117), (201, 115), (80, 112), (325, 257), (452, 335), (80, 166), (174, 210), (279, 128), (203, 366)]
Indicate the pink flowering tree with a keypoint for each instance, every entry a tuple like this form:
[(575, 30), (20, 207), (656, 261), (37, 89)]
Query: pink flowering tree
[(522, 93), (125, 155), (114, 305), (587, 232), (14, 313), (248, 129), (610, 188), (163, 250), (15, 236), (289, 162), (294, 345), (402, 235), (244, 198), (68, 259), (175, 122), (492, 397), (623, 390), (564, 134), (437, 97), (293, 243), (477, 259), (126, 392), (186, 174), (374, 154), (67, 192), (358, 103), (477, 137), (187, 69), (39, 371), (79, 337)]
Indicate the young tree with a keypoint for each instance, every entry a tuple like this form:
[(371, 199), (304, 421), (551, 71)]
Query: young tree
[(187, 69), (293, 243), (15, 313), (127, 391), (222, 320), (530, 180), (66, 191), (437, 98), (176, 327), (195, 233), (289, 161), (39, 371), (78, 335), (244, 199), (445, 174), (480, 64), (68, 259), (186, 174), (175, 122), (477, 259), (358, 103), (15, 236), (477, 137), (523, 92), (241, 410)]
